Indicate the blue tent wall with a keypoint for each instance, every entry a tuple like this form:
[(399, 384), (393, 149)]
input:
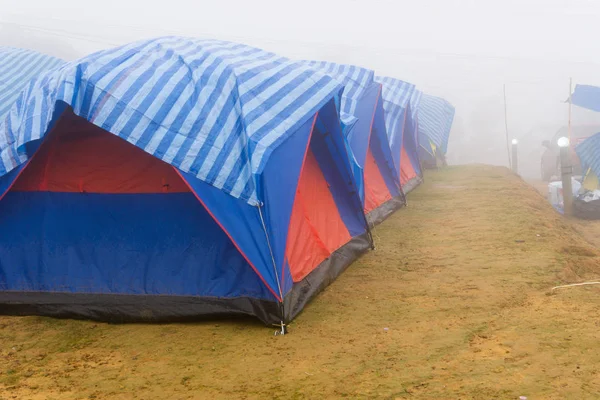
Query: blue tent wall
[(243, 221), (64, 242)]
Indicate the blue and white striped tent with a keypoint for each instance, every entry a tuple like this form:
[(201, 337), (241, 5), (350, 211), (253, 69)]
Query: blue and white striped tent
[(154, 95), (362, 115), (400, 102), (17, 68), (396, 97), (435, 122), (355, 80), (175, 178)]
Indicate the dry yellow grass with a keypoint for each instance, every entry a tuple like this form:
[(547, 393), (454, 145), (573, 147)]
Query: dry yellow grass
[(460, 278)]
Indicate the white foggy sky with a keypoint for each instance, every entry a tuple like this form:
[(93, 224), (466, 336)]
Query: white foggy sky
[(461, 50)]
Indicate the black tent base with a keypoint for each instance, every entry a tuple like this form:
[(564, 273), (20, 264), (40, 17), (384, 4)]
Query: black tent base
[(382, 212), (304, 291), (118, 308), (412, 184)]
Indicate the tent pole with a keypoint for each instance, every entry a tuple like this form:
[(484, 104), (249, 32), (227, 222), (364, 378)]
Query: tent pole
[(506, 128), (281, 309), (570, 107)]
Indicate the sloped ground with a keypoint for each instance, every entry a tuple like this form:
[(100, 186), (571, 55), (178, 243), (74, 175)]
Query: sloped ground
[(589, 229), (461, 280)]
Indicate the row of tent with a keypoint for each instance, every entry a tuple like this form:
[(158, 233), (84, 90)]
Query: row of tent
[(176, 178)]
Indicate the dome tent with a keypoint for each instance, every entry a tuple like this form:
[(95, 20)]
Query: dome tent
[(172, 179), (436, 116), (400, 102), (366, 139)]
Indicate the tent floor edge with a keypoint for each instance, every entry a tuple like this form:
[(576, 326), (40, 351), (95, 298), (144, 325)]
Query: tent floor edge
[(412, 184), (323, 275), (382, 212), (124, 308)]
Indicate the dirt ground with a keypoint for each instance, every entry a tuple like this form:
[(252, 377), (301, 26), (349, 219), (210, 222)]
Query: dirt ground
[(455, 303), (590, 230)]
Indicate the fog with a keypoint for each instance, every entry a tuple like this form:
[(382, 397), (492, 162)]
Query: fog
[(464, 51)]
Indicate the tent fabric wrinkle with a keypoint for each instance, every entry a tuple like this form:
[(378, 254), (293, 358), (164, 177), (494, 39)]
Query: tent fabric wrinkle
[(211, 108)]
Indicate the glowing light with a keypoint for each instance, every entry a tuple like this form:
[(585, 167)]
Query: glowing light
[(563, 142), (515, 141)]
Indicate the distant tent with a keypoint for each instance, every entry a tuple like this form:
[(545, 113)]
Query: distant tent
[(586, 96), (588, 152), (400, 101), (413, 129), (175, 178), (584, 138), (435, 122), (17, 68), (363, 121)]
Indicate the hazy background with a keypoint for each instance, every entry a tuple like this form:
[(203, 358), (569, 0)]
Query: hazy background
[(464, 51)]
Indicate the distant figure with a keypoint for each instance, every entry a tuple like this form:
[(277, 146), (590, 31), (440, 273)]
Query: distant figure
[(551, 157), (550, 160)]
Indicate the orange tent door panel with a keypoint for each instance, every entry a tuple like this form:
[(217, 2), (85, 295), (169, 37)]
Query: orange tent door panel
[(376, 190), (80, 157), (316, 227), (407, 172)]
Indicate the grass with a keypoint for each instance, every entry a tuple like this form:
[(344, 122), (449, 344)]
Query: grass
[(460, 279)]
